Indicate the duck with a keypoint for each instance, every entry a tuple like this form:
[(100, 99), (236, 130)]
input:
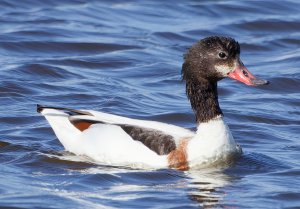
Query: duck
[(121, 141)]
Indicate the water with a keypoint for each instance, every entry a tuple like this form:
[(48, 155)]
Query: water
[(125, 58)]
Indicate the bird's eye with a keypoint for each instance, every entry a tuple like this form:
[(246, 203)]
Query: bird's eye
[(222, 55)]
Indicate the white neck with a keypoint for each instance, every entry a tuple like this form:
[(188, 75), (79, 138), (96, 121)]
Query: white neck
[(212, 142)]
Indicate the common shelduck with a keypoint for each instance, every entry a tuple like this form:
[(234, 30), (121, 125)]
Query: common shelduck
[(122, 141)]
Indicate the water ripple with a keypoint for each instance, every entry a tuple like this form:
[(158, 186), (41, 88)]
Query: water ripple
[(125, 58)]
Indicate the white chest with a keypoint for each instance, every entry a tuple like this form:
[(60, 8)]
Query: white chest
[(213, 142)]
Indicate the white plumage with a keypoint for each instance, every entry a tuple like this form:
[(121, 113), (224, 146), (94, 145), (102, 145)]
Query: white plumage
[(110, 144)]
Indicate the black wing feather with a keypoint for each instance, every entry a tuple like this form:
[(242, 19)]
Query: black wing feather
[(155, 140)]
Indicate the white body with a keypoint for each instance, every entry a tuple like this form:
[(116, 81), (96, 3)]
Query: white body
[(109, 144), (212, 143)]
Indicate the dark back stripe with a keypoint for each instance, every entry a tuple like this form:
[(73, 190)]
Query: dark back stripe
[(40, 108), (155, 140)]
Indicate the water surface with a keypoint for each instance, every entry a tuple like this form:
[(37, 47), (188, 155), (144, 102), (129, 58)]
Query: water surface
[(125, 58)]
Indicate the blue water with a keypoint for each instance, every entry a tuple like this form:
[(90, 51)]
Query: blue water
[(125, 58)]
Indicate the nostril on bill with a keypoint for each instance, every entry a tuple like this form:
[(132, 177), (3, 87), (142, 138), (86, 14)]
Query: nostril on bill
[(245, 73)]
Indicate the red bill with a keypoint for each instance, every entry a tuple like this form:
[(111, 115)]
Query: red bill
[(242, 74)]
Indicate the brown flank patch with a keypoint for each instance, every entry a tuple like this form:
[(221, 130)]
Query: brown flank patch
[(178, 157)]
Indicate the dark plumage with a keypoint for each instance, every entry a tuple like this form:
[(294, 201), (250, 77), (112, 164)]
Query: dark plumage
[(155, 140), (200, 74)]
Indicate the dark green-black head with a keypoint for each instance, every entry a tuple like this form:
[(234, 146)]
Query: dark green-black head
[(214, 58)]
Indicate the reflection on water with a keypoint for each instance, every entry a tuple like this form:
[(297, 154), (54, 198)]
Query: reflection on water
[(206, 187)]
